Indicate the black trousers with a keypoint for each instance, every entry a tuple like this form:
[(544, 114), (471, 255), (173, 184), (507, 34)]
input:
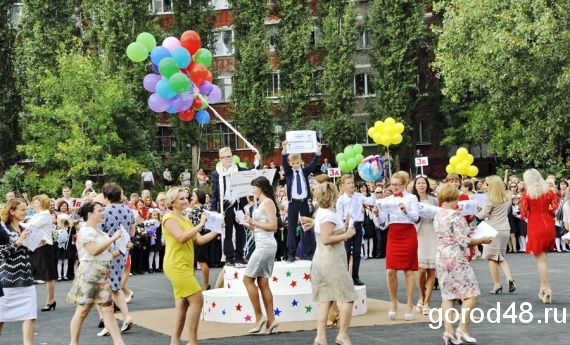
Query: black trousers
[(382, 241), (233, 255), (353, 247), (375, 242), (295, 207)]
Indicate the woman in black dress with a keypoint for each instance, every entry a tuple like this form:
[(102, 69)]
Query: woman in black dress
[(201, 252)]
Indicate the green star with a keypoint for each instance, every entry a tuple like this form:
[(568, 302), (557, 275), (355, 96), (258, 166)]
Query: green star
[(308, 309), (288, 274)]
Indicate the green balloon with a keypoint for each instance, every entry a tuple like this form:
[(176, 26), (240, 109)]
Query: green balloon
[(204, 102), (236, 159), (218, 164), (358, 157), (137, 52), (203, 56), (167, 67), (351, 163), (179, 82), (147, 40), (348, 152), (343, 166), (357, 148), (340, 157), (242, 164)]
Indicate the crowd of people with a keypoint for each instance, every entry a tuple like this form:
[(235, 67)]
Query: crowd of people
[(298, 216)]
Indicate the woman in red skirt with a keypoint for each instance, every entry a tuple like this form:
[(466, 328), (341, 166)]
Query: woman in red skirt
[(538, 205), (401, 211)]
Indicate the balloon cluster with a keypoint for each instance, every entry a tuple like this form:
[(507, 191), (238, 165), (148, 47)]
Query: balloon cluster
[(182, 83), (461, 163), (370, 168), (236, 160), (350, 157), (387, 132)]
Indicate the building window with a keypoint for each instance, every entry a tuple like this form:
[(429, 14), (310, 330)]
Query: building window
[(317, 76), (278, 131), (315, 37), (226, 84), (362, 135), (364, 39), (224, 43), (273, 85), (424, 130), (166, 140), (162, 6), (273, 34), (220, 4), (363, 85), (16, 12), (218, 135)]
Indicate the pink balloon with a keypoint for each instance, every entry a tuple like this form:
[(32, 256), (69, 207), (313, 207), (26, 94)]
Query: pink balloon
[(171, 43), (215, 95), (158, 104)]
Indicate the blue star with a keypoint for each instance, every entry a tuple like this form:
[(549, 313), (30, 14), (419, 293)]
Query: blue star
[(224, 312), (277, 312), (295, 303)]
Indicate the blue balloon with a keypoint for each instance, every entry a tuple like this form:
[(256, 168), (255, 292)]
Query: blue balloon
[(182, 57), (171, 110), (159, 53), (203, 117), (163, 89)]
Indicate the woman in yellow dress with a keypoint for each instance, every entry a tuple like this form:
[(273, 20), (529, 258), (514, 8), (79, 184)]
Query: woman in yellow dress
[(180, 235)]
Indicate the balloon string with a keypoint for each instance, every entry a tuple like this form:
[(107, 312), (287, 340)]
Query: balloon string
[(229, 125)]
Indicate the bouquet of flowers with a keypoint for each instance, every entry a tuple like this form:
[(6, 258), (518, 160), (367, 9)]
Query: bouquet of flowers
[(61, 237), (150, 227)]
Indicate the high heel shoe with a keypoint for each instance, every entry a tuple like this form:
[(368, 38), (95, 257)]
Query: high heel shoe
[(541, 294), (257, 328), (409, 317), (449, 339), (332, 320), (272, 328), (420, 306), (392, 315), (464, 337), (512, 286), (49, 307), (496, 291), (547, 298)]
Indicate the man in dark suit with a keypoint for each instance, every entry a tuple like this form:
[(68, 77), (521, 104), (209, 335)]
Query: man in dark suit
[(298, 192), (220, 202)]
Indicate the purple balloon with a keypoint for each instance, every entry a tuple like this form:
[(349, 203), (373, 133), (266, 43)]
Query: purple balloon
[(216, 95), (154, 67), (206, 87), (183, 101), (150, 81), (158, 104)]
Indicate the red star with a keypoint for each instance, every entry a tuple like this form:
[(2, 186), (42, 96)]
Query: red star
[(307, 276), (229, 286), (275, 279), (235, 275), (363, 299), (293, 283), (238, 307), (213, 304)]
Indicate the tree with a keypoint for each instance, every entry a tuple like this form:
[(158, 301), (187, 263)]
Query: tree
[(506, 73)]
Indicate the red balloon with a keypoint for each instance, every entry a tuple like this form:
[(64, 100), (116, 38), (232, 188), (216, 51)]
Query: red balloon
[(198, 73), (209, 77), (187, 115), (197, 103), (191, 41)]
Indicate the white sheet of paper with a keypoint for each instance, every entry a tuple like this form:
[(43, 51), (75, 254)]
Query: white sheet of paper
[(389, 208), (34, 239), (214, 222), (480, 198), (427, 210), (468, 207), (484, 230), (122, 242), (241, 217), (240, 181), (301, 141)]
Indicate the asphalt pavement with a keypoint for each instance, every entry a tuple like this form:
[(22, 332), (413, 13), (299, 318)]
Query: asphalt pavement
[(523, 319)]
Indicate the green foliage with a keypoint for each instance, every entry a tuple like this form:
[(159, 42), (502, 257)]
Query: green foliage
[(506, 72), (12, 181)]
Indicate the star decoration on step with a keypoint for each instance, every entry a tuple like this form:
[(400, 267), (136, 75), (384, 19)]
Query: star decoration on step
[(307, 276), (235, 275), (363, 299), (275, 279), (213, 304), (294, 303), (277, 312), (355, 306), (229, 286), (308, 309), (293, 284), (238, 307), (224, 312), (208, 310), (247, 318), (288, 274)]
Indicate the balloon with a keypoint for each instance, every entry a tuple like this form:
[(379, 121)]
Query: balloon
[(171, 43), (242, 164), (462, 151), (171, 110), (379, 124), (182, 57), (168, 67), (359, 157), (159, 53), (191, 41), (209, 77), (186, 115), (470, 159), (351, 163), (340, 157), (399, 128), (150, 80), (389, 130), (147, 40), (454, 160), (472, 171), (179, 82), (204, 57), (163, 89), (157, 103), (206, 87), (202, 117), (183, 102), (371, 132), (358, 149), (397, 138), (154, 67), (385, 140), (343, 166), (449, 169), (197, 103), (377, 138), (390, 121), (137, 52), (348, 152), (461, 169), (370, 170), (204, 103), (198, 73), (236, 159), (216, 95)]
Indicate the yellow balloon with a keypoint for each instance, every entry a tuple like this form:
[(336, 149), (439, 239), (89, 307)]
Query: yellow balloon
[(390, 121), (454, 160), (461, 169), (472, 171), (377, 138), (449, 168), (462, 151), (371, 132), (397, 138), (378, 124), (389, 130), (385, 140), (470, 159), (399, 127)]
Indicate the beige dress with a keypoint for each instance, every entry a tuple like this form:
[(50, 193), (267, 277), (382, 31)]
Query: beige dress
[(329, 270), (427, 239), (497, 217)]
